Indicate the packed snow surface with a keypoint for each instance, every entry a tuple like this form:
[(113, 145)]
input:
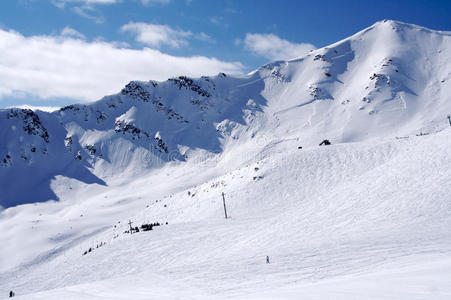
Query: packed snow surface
[(367, 217)]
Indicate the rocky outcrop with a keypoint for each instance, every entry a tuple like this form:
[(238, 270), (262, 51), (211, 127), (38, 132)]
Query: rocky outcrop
[(31, 122)]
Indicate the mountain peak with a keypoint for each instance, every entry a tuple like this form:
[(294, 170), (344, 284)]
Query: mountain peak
[(395, 24), (384, 81)]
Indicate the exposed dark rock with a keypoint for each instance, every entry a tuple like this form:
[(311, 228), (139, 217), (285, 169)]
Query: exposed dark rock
[(188, 83), (70, 107), (31, 122), (78, 156), (101, 116), (91, 149), (135, 90), (123, 127), (161, 145), (68, 142), (319, 56)]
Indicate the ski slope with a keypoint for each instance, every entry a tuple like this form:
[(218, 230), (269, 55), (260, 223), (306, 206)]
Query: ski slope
[(367, 217), (423, 281), (324, 215)]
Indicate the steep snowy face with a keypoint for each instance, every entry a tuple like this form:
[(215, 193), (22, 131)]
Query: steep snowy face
[(391, 79), (34, 151), (145, 126), (151, 123)]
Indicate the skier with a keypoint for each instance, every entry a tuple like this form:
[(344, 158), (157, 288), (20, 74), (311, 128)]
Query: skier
[(267, 259), (11, 294)]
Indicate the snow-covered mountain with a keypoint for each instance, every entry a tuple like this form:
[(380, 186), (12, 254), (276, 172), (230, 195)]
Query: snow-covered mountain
[(165, 151), (391, 79)]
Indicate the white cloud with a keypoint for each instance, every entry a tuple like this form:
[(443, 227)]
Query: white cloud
[(56, 66), (97, 1), (156, 35), (147, 2), (89, 12), (62, 3), (204, 37), (32, 107), (85, 8), (70, 32), (273, 47), (219, 21), (215, 20), (89, 8)]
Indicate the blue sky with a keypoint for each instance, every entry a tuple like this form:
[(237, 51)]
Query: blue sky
[(56, 52)]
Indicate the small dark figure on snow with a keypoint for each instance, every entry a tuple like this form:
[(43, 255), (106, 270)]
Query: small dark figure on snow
[(325, 143), (267, 259), (11, 294)]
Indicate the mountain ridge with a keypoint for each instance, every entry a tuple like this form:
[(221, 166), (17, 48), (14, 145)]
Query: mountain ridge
[(332, 91), (366, 215)]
